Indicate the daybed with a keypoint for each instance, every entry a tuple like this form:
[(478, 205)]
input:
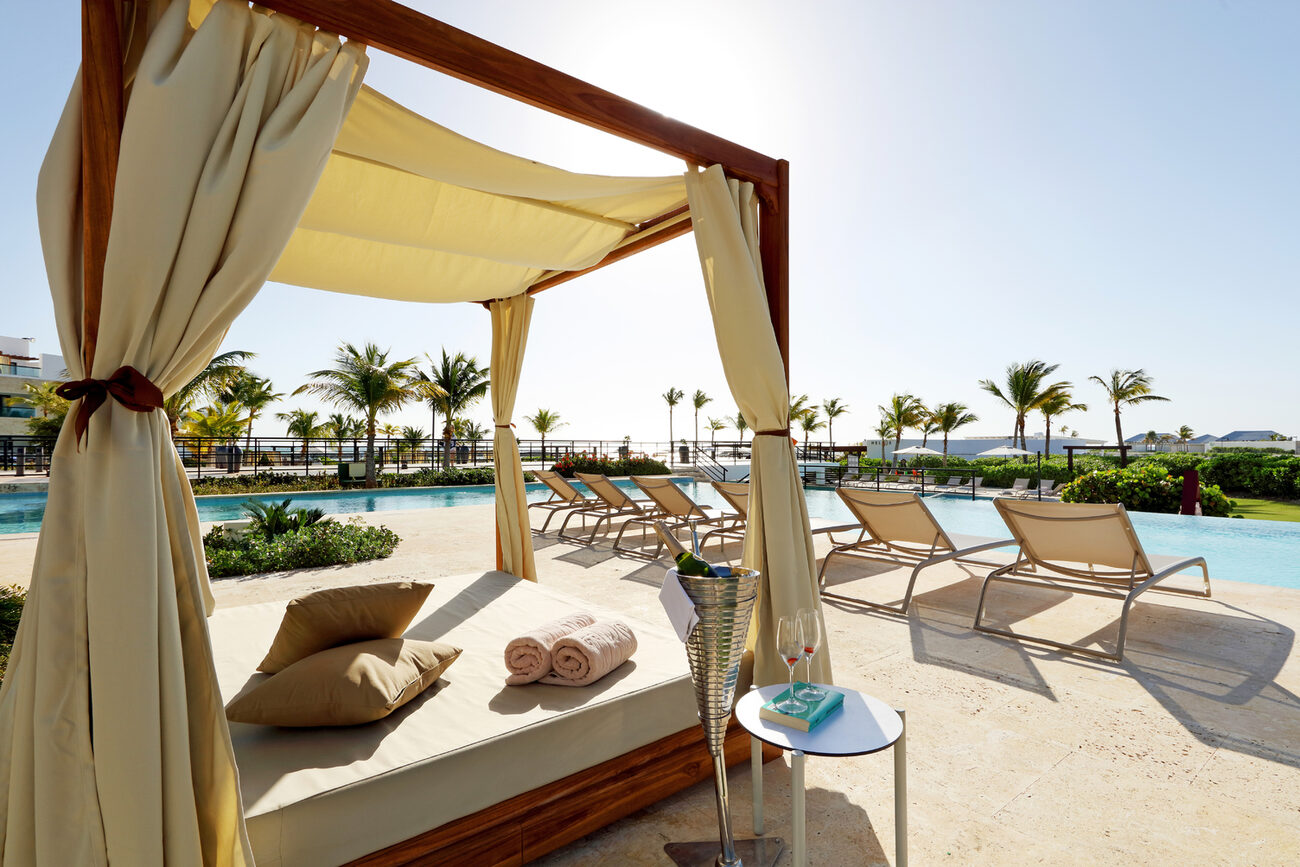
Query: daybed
[(325, 796)]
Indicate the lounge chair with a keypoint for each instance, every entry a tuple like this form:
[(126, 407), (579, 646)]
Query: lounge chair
[(737, 496), (611, 503), (564, 497), (673, 508), (1084, 548), (954, 483), (897, 527), (1046, 488), (1017, 487)]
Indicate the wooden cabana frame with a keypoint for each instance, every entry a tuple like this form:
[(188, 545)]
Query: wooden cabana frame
[(396, 29), (535, 822)]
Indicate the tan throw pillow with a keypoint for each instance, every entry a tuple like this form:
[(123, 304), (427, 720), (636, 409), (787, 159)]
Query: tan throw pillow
[(340, 615), (348, 685)]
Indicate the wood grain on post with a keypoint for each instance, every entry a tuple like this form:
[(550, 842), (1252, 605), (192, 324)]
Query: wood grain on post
[(101, 137), (774, 250)]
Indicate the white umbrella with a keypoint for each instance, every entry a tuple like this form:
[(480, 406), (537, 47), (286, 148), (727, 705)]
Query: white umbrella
[(919, 450), (1003, 451)]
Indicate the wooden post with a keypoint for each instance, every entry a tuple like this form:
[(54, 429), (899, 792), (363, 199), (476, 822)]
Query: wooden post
[(774, 248), (101, 137)]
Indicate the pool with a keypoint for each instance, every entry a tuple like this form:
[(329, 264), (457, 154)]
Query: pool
[(1263, 552)]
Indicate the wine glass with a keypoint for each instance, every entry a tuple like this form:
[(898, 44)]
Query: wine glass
[(789, 643), (810, 627)]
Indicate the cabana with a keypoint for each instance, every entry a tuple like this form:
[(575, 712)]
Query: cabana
[(209, 148)]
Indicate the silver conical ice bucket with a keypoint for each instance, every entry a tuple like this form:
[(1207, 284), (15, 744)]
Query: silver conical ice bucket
[(714, 649)]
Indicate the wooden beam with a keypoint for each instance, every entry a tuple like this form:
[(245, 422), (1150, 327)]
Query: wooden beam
[(636, 245), (774, 250), (101, 137), (527, 826), (392, 27)]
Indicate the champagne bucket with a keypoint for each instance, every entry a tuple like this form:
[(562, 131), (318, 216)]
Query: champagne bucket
[(715, 647), (714, 650)]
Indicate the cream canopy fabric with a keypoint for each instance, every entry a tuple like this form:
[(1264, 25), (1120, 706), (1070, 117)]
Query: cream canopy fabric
[(510, 319), (114, 746), (407, 209), (778, 538)]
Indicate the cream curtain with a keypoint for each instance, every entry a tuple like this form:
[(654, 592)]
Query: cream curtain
[(113, 741), (510, 318), (778, 540)]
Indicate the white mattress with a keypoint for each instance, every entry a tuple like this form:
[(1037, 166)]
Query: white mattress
[(325, 796)]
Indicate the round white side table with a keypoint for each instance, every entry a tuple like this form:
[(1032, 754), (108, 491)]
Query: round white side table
[(862, 726)]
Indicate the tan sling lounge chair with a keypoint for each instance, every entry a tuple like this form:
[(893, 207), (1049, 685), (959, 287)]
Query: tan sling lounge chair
[(610, 503), (564, 497), (737, 496), (674, 508), (897, 527), (1085, 548)]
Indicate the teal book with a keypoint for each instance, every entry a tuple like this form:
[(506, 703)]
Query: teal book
[(815, 715)]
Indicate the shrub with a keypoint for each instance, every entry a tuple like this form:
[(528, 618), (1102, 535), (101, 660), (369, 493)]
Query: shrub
[(276, 519), (286, 483), (1147, 488), (12, 599), (582, 462), (326, 543)]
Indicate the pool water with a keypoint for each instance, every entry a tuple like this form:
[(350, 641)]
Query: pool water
[(1263, 552)]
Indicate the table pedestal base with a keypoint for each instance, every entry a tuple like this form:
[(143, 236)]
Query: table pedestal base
[(760, 852)]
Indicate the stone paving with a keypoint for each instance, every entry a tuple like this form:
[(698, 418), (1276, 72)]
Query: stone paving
[(1188, 752)]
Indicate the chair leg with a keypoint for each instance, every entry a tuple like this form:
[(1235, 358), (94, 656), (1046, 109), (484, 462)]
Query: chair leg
[(1117, 656)]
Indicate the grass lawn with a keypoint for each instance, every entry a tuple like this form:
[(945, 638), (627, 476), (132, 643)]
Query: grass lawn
[(1267, 510)]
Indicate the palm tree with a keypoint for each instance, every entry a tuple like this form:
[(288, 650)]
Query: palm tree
[(902, 411), (302, 423), (715, 425), (1185, 433), (1059, 403), (1150, 439), (739, 423), (884, 430), (412, 436), (1024, 391), (254, 393), (1126, 388), (699, 399), (224, 421), (366, 381), (808, 423), (949, 417), (833, 409), (799, 408), (927, 425), (671, 397), (52, 409), (341, 427), (208, 383), (544, 421), (457, 383), (465, 429)]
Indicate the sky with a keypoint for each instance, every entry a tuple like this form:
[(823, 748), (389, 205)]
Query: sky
[(1099, 185)]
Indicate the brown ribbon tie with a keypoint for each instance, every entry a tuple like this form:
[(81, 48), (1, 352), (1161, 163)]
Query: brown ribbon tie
[(127, 386), (780, 432)]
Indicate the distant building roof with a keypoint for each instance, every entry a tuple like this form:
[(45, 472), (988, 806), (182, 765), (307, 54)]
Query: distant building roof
[(1204, 438), (1248, 436), (1138, 438)]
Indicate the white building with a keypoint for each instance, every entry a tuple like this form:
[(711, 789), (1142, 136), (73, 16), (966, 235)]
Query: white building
[(20, 366)]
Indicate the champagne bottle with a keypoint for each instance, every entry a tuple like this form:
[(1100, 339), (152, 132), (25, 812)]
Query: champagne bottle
[(687, 563)]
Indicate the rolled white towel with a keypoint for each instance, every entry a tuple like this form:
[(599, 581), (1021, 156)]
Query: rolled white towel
[(528, 657), (589, 654)]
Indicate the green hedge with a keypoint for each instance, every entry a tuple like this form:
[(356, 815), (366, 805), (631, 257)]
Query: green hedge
[(1148, 488), (12, 599), (583, 462), (327, 543), (274, 483)]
